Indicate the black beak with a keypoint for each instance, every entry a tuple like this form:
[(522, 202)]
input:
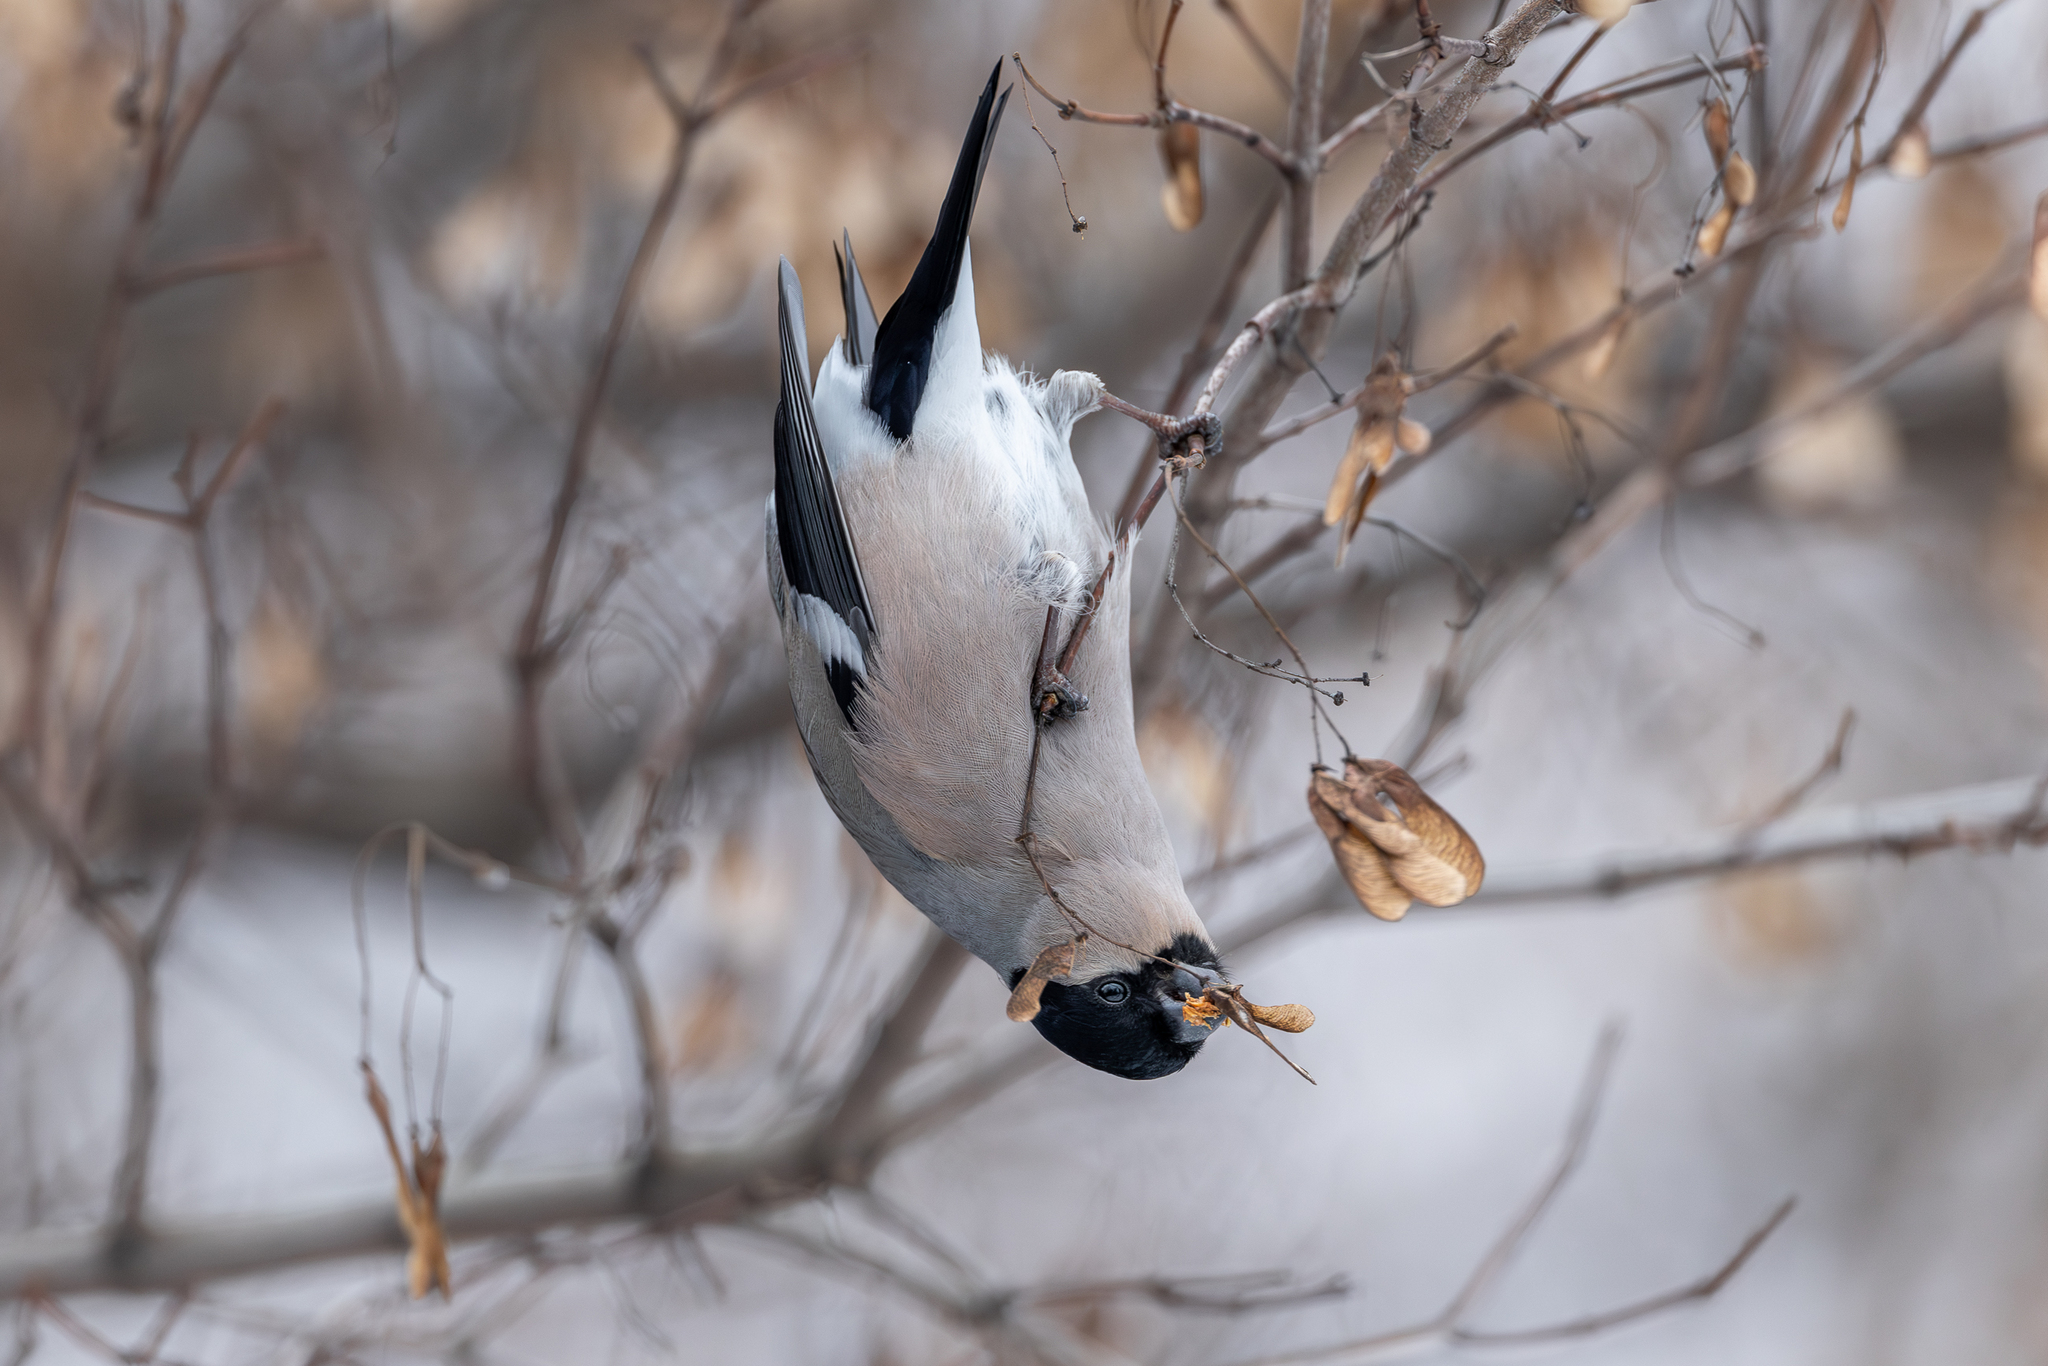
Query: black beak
[(1175, 986)]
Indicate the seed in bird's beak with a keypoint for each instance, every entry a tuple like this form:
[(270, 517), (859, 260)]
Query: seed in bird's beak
[(1056, 960), (1180, 147), (1390, 857), (1200, 1013)]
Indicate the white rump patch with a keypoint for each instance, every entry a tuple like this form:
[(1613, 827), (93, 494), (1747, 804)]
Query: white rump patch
[(829, 632)]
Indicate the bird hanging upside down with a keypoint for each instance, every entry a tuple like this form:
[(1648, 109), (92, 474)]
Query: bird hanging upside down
[(926, 515)]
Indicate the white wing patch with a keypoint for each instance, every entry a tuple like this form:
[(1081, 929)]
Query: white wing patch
[(829, 632)]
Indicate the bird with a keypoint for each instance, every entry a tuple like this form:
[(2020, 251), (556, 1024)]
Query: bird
[(926, 515)]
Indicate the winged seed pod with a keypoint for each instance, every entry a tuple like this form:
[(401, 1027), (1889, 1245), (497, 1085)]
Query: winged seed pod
[(1380, 432), (1392, 857), (419, 1198), (1054, 961), (1715, 125), (1738, 180), (1180, 147), (1714, 232), (1291, 1018), (1848, 198)]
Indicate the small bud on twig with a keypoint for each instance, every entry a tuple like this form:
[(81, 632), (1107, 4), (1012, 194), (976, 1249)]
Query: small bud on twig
[(1911, 156)]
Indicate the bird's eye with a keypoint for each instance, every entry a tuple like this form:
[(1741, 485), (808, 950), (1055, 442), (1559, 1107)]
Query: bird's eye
[(1114, 992)]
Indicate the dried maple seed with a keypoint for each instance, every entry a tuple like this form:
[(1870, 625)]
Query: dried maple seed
[(1056, 960), (1716, 128), (1202, 1013), (1849, 185), (1389, 858), (1291, 1018), (419, 1198), (1180, 147), (1738, 181), (1359, 860), (1714, 232)]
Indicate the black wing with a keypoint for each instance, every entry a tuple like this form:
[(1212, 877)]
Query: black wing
[(827, 592), (903, 343), (860, 309)]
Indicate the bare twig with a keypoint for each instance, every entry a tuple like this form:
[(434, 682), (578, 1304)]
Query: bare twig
[(1268, 63), (234, 261), (1172, 111), (1451, 1327), (1916, 111)]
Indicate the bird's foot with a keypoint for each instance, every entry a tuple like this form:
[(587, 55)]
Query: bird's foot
[(1057, 699), (1174, 433)]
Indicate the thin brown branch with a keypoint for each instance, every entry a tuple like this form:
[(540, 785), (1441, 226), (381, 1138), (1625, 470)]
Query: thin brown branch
[(1201, 351), (1449, 1328), (1542, 113), (1916, 111), (1830, 764), (1991, 818), (1304, 142), (1311, 313), (623, 950), (166, 134), (1170, 112), (537, 650), (1268, 63), (233, 261), (1734, 454), (1173, 10), (847, 1147)]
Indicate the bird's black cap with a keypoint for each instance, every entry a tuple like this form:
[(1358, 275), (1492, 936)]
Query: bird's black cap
[(1128, 1023)]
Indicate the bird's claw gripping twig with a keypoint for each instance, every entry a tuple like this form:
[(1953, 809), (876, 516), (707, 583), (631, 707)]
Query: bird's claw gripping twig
[(1055, 699), (1173, 432)]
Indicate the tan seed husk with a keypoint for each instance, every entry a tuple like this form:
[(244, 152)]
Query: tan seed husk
[(1057, 960), (1293, 1019), (1180, 147), (1714, 232), (1738, 180)]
